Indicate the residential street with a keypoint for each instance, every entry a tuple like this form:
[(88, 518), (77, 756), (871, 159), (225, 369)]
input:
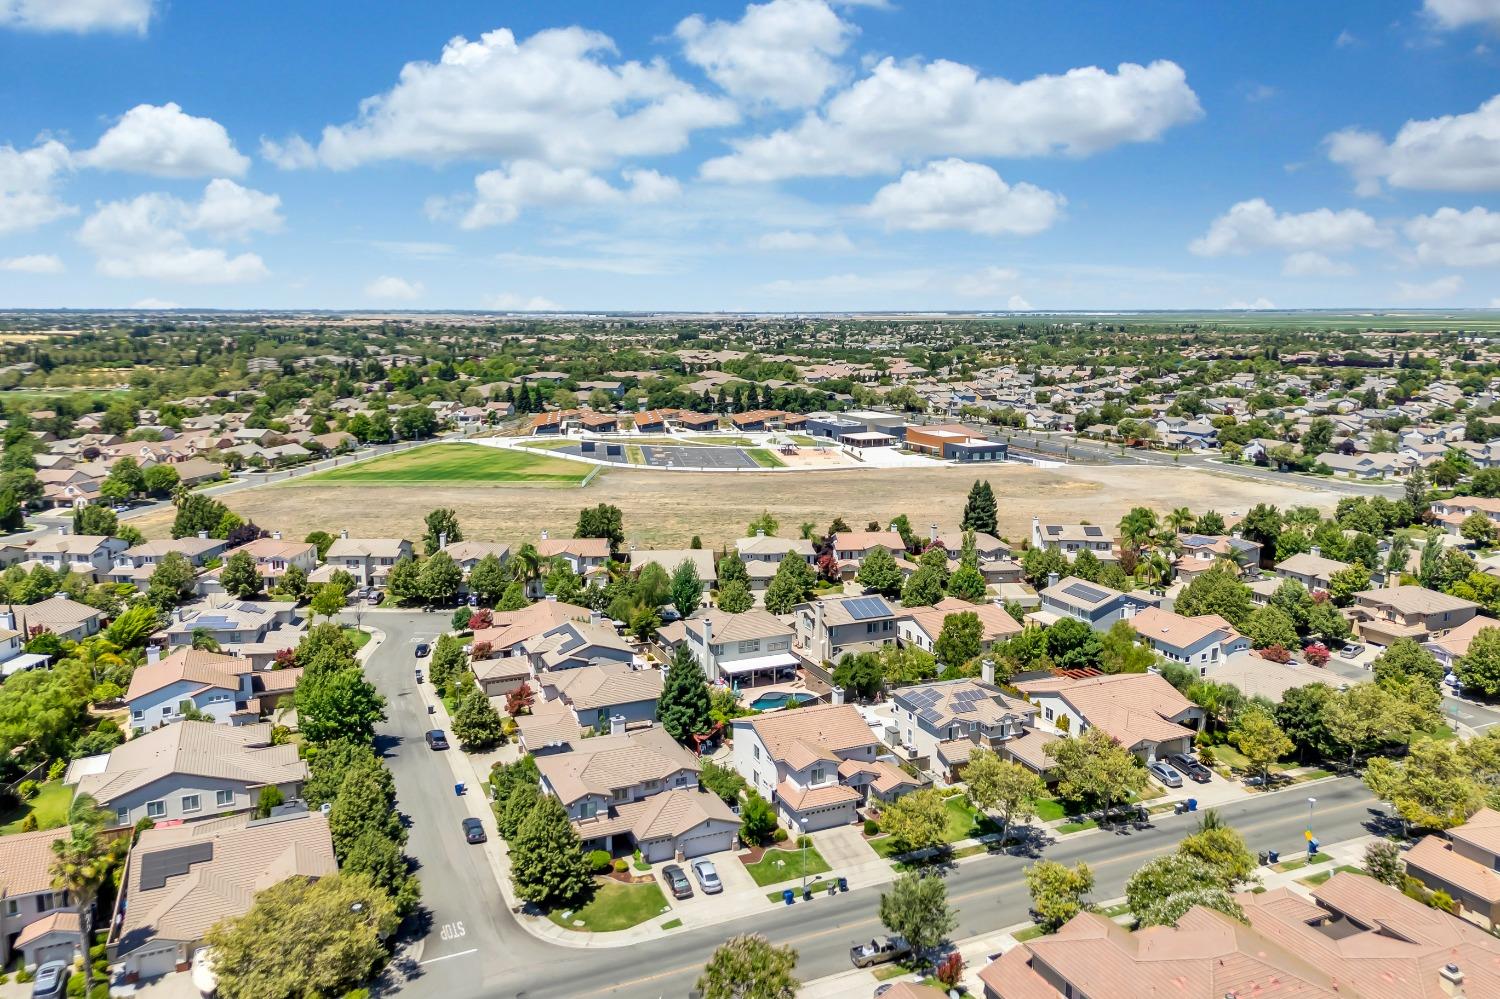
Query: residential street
[(473, 947)]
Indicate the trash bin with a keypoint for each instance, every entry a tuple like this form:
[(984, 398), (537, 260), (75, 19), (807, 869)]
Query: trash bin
[(458, 788), (1312, 848), (807, 894), (843, 884), (1264, 858), (1192, 804), (788, 896), (1179, 808), (1274, 857)]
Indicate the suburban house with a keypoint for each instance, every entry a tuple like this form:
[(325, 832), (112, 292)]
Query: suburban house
[(468, 554), (191, 770), (922, 625), (223, 688), (237, 624), (1070, 539), (1382, 616), (606, 695), (1453, 646), (181, 880), (1095, 604), (578, 643), (1466, 865), (36, 920), (89, 555), (1203, 551), (135, 565), (670, 558), (1257, 677), (368, 560), (739, 649), (828, 627), (939, 724), (61, 616), (1197, 641), (1310, 569), (762, 557), (583, 555), (853, 547), (816, 765), (642, 786), (1141, 711), (498, 653)]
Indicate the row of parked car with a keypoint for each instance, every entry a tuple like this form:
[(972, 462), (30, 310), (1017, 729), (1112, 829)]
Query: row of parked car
[(703, 870), (1170, 772)]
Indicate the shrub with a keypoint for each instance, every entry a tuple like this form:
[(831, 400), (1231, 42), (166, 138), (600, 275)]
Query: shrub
[(25, 975), (27, 790), (56, 771), (872, 828), (779, 835), (29, 823), (950, 969), (804, 841), (1276, 654), (1317, 654), (621, 866), (599, 860)]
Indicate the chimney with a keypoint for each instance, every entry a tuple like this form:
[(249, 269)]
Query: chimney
[(153, 654), (987, 671), (344, 534), (1036, 531), (8, 619), (1051, 580), (544, 535), (596, 617), (708, 647), (276, 535), (616, 724), (442, 540), (202, 535), (1317, 552), (838, 695), (1451, 980), (931, 533)]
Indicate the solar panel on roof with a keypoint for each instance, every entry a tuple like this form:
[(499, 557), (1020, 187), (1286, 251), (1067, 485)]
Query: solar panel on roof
[(1094, 532), (1085, 592), (865, 608), (157, 867), (929, 715)]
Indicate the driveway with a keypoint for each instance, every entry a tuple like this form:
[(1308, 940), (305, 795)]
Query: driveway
[(740, 895), (844, 848)]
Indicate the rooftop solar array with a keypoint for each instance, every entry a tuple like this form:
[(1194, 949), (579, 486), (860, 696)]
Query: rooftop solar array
[(1197, 540), (1083, 591), (866, 608), (213, 622), (157, 867), (1093, 532)]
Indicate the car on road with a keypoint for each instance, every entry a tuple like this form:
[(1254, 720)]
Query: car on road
[(474, 830), (1351, 651), (1165, 774), (879, 950), (436, 739), (51, 981), (423, 650), (1190, 768), (708, 877), (677, 881)]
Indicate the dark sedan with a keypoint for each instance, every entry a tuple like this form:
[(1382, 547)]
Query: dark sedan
[(677, 881), (474, 830)]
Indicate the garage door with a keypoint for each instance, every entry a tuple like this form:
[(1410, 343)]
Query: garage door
[(698, 846), (157, 962), (63, 951)]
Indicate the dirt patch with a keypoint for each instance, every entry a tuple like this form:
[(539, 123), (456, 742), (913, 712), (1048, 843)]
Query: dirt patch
[(665, 509)]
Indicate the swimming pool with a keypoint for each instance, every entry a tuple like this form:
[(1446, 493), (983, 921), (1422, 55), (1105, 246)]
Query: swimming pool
[(765, 702)]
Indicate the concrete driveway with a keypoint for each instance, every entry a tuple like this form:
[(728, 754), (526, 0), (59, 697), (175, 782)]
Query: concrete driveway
[(844, 848), (740, 895)]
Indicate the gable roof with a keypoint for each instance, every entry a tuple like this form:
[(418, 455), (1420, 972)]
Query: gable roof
[(208, 669), (241, 753), (605, 763), (1131, 707), (26, 861), (832, 728), (604, 685), (997, 624)]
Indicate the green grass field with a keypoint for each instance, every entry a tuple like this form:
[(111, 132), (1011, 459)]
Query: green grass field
[(455, 464), (764, 458), (786, 865), (50, 807), (615, 906)]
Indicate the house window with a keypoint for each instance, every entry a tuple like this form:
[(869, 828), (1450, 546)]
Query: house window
[(191, 803), (156, 809), (137, 714), (755, 752), (122, 816), (223, 798), (620, 793), (588, 810), (818, 774), (751, 646), (1048, 713)]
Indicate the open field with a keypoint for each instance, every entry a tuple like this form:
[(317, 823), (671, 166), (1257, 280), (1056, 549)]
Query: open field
[(459, 464), (665, 509)]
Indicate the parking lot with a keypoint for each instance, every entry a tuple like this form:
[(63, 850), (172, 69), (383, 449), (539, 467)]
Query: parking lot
[(696, 457)]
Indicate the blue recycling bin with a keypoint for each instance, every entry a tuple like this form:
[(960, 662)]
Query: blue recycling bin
[(458, 788), (1312, 848), (1274, 857), (1192, 804), (843, 884), (788, 896)]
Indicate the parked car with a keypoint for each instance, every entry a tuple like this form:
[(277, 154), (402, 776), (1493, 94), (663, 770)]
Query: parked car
[(474, 830), (436, 739), (423, 650), (1165, 774), (708, 877), (880, 950), (677, 881), (1193, 769), (51, 981), (1351, 651)]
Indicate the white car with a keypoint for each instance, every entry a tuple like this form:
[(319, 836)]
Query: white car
[(708, 877)]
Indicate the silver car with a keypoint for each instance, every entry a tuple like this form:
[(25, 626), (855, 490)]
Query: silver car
[(1165, 774), (708, 877)]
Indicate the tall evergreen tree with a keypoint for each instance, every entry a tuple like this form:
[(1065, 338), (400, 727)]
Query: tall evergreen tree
[(547, 864), (684, 704), (980, 510)]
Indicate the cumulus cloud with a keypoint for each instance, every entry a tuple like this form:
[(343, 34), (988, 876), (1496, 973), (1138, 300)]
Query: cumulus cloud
[(35, 263), (1461, 13), (782, 53), (798, 241), (987, 282), (1457, 239), (1458, 152), (957, 194), (77, 15), (509, 301), (28, 178), (1437, 290), (905, 111), (166, 142), (501, 195), (1255, 225), (149, 236), (553, 98), (394, 289), (1311, 263)]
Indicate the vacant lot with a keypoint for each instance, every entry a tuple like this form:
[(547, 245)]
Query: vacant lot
[(665, 509), (459, 464)]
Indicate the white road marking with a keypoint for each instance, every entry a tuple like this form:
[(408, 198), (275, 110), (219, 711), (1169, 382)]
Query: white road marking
[(462, 953)]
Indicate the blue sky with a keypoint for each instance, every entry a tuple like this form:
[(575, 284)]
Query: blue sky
[(781, 156)]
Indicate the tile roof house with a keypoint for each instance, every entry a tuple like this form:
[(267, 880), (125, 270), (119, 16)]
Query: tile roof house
[(814, 764), (922, 625), (273, 556), (63, 617), (1455, 644), (1095, 604), (670, 558), (1141, 711), (1310, 569), (583, 555), (27, 898), (1465, 865), (828, 627), (135, 565), (1070, 539), (762, 557), (226, 689), (188, 771), (735, 647), (88, 555), (1382, 616), (939, 724), (181, 880), (507, 665), (577, 643), (368, 560), (1198, 641), (607, 695)]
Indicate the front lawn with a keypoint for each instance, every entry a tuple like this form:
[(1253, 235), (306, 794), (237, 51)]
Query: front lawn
[(1313, 880), (1050, 809), (786, 865), (358, 637), (615, 906), (815, 887), (1300, 862), (963, 823), (50, 806)]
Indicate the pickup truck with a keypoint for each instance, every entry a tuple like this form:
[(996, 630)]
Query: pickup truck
[(881, 950)]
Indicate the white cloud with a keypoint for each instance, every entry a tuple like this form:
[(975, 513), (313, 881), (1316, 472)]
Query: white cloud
[(906, 111), (35, 263), (1345, 39), (414, 248), (957, 194), (295, 153), (633, 265), (394, 289), (27, 179), (154, 304), (1310, 263), (1436, 290), (1460, 13), (1457, 239), (77, 15), (1018, 303), (987, 282), (165, 142), (798, 241), (1450, 153), (782, 53), (501, 195), (1255, 225), (149, 235), (508, 301), (551, 98), (1260, 303)]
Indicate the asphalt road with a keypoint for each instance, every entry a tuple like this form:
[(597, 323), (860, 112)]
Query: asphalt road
[(1475, 715), (470, 946)]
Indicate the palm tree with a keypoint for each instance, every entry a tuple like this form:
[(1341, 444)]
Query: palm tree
[(84, 861), (526, 567), (1181, 520), (807, 529), (99, 654), (1156, 569), (1138, 527)]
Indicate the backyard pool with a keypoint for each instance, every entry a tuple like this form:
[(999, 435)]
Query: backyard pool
[(765, 702)]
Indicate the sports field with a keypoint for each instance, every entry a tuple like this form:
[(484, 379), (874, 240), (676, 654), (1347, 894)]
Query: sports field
[(453, 464)]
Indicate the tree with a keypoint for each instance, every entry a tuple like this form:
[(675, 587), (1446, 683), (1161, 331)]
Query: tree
[(879, 572), (1292, 599), (83, 861), (1138, 528), (1071, 644), (95, 519), (516, 794), (403, 584), (1433, 787), (1058, 893), (980, 510), (1040, 564), (735, 598), (1365, 716), (1164, 877), (513, 599), (1121, 653), (487, 580), (1262, 525), (1269, 626), (1325, 620), (328, 600), (1262, 741), (916, 820), (757, 819), (1222, 848), (749, 966), (860, 674), (916, 909), (442, 528), (240, 577), (475, 721), (338, 705), (683, 707), (1342, 585), (548, 867), (293, 582), (1383, 862), (723, 781), (1210, 523), (303, 937), (961, 639), (1167, 911), (602, 521), (686, 588), (732, 570), (1096, 771), (171, 581), (440, 579), (1318, 437), (996, 785), (1479, 668), (967, 583), (924, 588), (1405, 659), (764, 524), (1216, 590), (792, 585), (1479, 529)]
